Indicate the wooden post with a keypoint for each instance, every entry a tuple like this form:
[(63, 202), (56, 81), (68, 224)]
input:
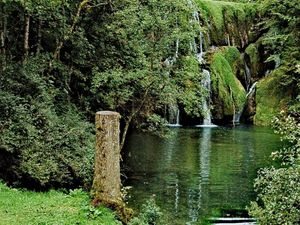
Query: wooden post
[(107, 181)]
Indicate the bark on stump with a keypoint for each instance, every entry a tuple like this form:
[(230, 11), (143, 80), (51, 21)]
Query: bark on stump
[(107, 182), (106, 187)]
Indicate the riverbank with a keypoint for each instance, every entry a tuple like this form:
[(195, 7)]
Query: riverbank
[(24, 207)]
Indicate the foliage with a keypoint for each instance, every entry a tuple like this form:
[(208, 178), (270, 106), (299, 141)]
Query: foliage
[(155, 124), (191, 93), (52, 207), (43, 137), (281, 39), (282, 23), (278, 189), (233, 57), (145, 76), (78, 57), (139, 73), (150, 214)]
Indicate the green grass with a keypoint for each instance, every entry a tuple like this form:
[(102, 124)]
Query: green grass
[(24, 207)]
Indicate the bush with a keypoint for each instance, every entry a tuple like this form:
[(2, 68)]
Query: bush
[(278, 188), (150, 214), (44, 141)]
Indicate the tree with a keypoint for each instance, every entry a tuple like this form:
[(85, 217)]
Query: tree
[(143, 37), (45, 140)]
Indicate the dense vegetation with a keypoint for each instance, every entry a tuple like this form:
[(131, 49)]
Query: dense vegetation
[(278, 189), (63, 60), (280, 40), (278, 192)]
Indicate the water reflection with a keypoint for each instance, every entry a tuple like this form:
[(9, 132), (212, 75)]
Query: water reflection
[(197, 170)]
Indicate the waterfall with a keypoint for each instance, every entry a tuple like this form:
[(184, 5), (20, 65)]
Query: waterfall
[(237, 116), (205, 105), (199, 52), (251, 90), (173, 110), (177, 49), (247, 75), (174, 116)]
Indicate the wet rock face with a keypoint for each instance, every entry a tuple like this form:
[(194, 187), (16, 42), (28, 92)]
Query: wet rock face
[(250, 109)]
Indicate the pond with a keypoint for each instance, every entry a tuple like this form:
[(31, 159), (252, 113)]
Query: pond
[(197, 172)]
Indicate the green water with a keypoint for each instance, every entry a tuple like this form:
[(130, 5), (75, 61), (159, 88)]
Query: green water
[(198, 172)]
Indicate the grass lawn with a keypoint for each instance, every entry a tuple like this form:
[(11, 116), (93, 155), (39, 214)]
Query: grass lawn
[(22, 207)]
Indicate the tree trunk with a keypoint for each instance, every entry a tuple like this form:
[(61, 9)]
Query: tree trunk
[(39, 37), (3, 28), (107, 181), (26, 37), (106, 187), (68, 34), (124, 134)]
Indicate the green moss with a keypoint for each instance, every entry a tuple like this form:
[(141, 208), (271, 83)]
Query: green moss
[(271, 98), (224, 18), (213, 11), (231, 94), (253, 54), (233, 57), (26, 207)]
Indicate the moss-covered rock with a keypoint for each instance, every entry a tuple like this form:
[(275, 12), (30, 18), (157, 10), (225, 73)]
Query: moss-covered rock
[(271, 98), (233, 57), (228, 93), (252, 58), (228, 23)]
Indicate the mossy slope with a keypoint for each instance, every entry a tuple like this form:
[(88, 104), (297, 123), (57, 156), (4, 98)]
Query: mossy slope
[(271, 98), (228, 93), (227, 21)]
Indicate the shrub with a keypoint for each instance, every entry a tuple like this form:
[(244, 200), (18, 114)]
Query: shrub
[(150, 214), (44, 141), (278, 188)]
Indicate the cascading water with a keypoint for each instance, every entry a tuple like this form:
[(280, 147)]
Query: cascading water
[(199, 52), (177, 49), (174, 111), (237, 116), (251, 89), (205, 105), (247, 75), (174, 116)]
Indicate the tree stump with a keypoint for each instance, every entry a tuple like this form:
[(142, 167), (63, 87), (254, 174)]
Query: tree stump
[(107, 181)]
